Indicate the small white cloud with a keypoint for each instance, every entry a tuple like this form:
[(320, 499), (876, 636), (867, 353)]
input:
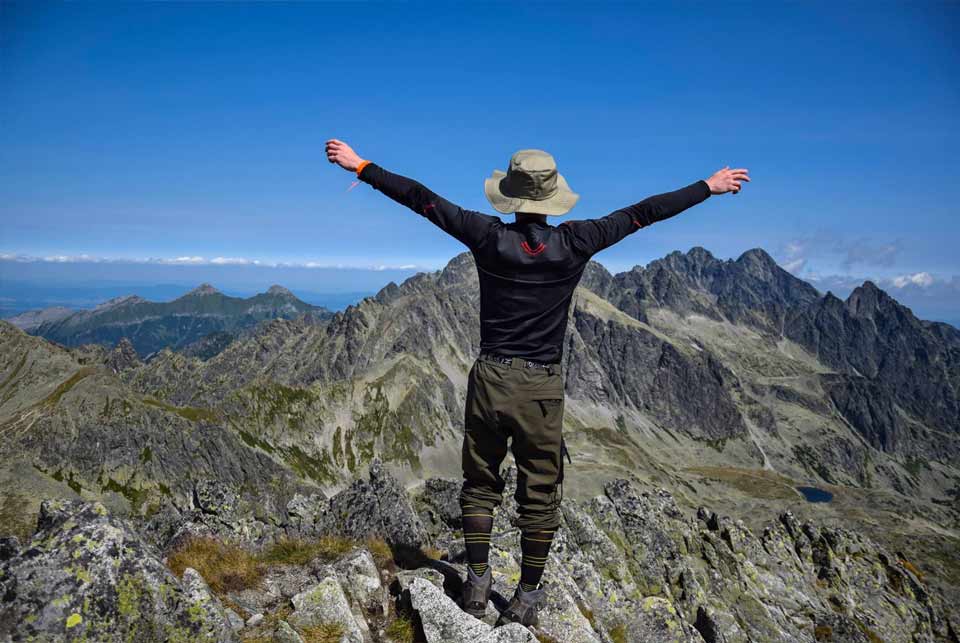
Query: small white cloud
[(922, 279), (795, 265), (232, 261)]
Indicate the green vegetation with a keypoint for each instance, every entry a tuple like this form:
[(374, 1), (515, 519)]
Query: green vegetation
[(136, 496), (64, 387), (15, 517), (717, 445), (187, 412), (400, 629), (9, 379), (323, 633), (758, 483), (146, 455), (812, 462), (59, 477), (273, 401), (300, 552), (225, 567), (255, 442), (618, 634), (320, 469), (915, 465)]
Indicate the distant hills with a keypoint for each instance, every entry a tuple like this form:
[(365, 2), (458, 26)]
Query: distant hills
[(152, 326)]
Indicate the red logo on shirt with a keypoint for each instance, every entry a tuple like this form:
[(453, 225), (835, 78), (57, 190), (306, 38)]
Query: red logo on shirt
[(533, 251)]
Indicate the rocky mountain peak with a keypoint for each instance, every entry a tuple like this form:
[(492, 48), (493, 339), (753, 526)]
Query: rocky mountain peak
[(867, 299), (119, 301), (758, 262), (203, 290), (280, 291)]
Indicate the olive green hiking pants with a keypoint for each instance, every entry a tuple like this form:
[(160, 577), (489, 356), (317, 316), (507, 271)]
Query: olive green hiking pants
[(508, 402)]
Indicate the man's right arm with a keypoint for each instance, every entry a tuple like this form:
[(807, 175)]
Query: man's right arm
[(469, 227)]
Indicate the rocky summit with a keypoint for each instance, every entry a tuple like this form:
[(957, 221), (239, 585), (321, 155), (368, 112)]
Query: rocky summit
[(372, 563), (701, 395)]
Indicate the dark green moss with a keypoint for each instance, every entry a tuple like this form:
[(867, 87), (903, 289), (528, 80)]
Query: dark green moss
[(65, 387), (136, 496), (256, 443), (812, 463), (186, 412), (146, 455)]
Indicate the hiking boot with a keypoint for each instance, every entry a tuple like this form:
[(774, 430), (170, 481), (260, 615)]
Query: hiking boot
[(476, 593), (523, 607)]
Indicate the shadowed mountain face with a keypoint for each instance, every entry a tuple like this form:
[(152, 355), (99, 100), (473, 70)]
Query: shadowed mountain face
[(153, 326), (727, 381)]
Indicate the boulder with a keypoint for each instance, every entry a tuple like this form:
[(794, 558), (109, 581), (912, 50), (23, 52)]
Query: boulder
[(86, 575)]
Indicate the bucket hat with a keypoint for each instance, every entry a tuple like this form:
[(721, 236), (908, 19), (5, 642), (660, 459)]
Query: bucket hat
[(530, 184)]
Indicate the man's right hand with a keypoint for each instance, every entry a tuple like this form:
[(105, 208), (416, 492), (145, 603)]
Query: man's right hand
[(727, 180), (343, 155)]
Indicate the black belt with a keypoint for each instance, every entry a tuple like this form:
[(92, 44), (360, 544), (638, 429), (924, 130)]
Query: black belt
[(520, 361)]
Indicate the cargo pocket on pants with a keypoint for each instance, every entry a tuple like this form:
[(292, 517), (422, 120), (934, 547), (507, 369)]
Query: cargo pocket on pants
[(553, 408)]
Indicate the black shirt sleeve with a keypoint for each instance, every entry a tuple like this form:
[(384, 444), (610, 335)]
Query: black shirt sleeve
[(593, 235), (469, 227)]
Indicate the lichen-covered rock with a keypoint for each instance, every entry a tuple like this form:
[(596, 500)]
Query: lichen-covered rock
[(441, 501), (326, 603), (86, 575), (360, 579), (9, 546), (444, 622), (286, 634), (377, 507)]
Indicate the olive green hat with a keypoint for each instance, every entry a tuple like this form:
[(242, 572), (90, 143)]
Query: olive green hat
[(530, 184)]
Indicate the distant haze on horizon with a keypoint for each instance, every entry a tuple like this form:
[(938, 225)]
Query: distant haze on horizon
[(162, 145), (29, 285)]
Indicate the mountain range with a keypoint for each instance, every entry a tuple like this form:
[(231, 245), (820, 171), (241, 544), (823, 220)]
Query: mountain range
[(152, 326), (727, 382)]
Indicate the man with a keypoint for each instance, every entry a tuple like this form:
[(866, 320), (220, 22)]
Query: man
[(528, 270)]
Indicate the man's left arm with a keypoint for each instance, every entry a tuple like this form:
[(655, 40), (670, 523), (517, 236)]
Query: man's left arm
[(470, 228), (593, 235)]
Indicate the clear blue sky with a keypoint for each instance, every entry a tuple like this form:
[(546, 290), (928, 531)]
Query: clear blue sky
[(165, 131)]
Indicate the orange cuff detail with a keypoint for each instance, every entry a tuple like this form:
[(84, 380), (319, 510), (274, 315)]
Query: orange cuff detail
[(362, 165)]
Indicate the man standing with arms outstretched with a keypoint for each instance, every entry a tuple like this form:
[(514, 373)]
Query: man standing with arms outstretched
[(528, 270)]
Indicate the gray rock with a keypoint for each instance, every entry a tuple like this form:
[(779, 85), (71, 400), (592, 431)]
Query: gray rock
[(86, 574), (9, 546), (286, 634), (360, 579), (326, 603), (376, 507), (444, 622)]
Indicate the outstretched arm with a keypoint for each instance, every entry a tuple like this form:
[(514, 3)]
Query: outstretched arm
[(471, 228), (593, 235)]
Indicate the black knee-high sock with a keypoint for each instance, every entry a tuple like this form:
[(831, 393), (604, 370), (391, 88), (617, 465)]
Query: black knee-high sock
[(535, 545), (477, 524)]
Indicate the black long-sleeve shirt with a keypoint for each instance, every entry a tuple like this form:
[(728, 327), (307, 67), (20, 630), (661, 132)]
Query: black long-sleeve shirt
[(528, 271)]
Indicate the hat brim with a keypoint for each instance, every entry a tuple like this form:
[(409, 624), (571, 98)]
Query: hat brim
[(560, 203)]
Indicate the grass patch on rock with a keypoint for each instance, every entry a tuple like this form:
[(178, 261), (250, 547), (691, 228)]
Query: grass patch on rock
[(295, 551), (226, 568), (323, 633), (190, 413), (400, 629)]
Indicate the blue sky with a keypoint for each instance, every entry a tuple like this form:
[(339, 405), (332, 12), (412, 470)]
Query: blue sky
[(195, 132)]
